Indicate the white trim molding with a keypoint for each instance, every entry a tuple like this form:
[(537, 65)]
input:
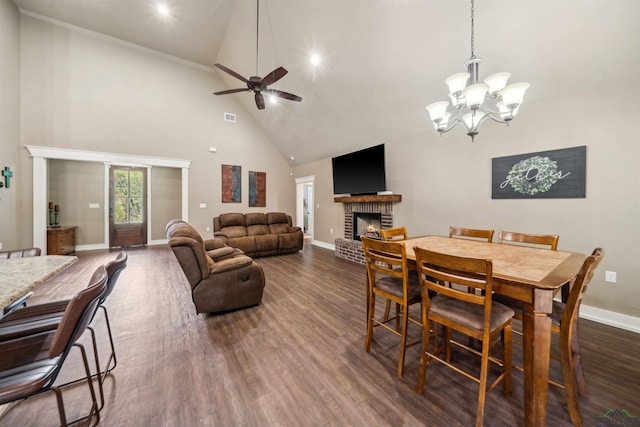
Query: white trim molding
[(41, 155), (611, 318)]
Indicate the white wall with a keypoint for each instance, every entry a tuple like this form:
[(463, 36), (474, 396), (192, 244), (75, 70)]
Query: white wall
[(9, 120), (86, 91), (447, 181)]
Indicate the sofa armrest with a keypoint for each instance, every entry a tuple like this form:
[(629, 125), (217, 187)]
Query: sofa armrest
[(294, 229), (230, 264), (219, 253), (215, 243)]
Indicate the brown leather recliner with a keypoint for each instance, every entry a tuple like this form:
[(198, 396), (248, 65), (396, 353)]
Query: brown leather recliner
[(227, 282)]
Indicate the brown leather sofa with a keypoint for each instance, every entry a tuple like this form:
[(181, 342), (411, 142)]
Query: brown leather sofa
[(259, 234), (226, 282)]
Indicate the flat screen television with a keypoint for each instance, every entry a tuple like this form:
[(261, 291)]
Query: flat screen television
[(360, 172)]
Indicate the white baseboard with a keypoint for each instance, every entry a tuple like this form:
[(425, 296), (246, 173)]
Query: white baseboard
[(611, 318), (97, 246), (324, 245)]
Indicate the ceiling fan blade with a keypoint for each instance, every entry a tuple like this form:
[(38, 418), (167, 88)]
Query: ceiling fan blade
[(229, 71), (226, 92), (259, 101), (274, 76), (282, 94)]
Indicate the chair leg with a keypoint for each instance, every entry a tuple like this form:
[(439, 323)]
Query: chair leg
[(506, 335), (577, 361), (482, 392), (371, 311), (94, 411), (112, 356), (569, 380), (98, 371), (403, 340), (424, 357)]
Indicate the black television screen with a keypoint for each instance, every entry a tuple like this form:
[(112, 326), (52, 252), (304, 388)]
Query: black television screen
[(360, 172)]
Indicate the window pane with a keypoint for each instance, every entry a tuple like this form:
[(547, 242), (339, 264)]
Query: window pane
[(121, 182), (135, 215), (121, 213), (135, 184)]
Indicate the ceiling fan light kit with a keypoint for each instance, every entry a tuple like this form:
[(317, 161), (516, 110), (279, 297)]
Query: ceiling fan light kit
[(255, 84), (468, 96)]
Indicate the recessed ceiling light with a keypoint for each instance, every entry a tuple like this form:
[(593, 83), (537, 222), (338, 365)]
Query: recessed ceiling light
[(163, 9), (314, 59)]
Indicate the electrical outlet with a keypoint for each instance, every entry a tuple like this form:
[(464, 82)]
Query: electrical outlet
[(94, 205), (203, 205), (331, 231), (610, 276)]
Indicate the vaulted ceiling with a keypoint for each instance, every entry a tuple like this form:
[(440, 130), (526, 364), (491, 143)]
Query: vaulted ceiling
[(382, 61)]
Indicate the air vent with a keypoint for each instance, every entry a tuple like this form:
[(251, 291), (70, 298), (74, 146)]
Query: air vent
[(229, 117)]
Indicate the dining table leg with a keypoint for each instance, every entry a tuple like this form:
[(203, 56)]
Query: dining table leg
[(536, 325)]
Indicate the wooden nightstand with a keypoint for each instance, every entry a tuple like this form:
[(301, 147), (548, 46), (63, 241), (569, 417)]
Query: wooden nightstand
[(61, 240)]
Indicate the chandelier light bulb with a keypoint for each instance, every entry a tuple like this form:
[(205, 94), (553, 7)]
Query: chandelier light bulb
[(474, 95), (497, 82), (457, 82), (513, 95), (437, 111)]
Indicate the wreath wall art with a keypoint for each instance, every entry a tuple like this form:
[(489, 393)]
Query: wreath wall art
[(546, 174)]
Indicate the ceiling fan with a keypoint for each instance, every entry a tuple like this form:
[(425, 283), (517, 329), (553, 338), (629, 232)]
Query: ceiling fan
[(257, 85)]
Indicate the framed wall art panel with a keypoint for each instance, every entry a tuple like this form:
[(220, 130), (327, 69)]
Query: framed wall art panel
[(257, 189), (231, 184), (550, 174)]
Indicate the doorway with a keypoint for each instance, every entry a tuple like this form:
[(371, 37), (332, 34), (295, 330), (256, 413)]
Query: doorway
[(127, 206), (304, 205)]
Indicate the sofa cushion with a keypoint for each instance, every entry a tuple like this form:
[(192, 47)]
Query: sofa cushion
[(255, 218), (279, 228), (267, 243), (277, 217), (234, 231), (232, 219), (254, 230)]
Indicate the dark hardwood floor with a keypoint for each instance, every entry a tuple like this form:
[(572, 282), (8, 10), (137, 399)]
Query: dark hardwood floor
[(297, 359)]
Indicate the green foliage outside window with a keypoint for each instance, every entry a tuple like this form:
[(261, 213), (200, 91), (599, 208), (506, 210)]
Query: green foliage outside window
[(129, 189)]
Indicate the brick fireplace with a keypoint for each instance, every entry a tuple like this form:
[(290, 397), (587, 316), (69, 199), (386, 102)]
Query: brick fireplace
[(367, 208)]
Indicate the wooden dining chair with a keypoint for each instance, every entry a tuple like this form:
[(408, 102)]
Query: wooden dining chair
[(471, 233), (391, 234), (397, 233), (472, 314), (388, 277), (549, 241), (564, 321)]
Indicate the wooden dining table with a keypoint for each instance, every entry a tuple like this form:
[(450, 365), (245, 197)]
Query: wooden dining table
[(530, 275), (19, 276)]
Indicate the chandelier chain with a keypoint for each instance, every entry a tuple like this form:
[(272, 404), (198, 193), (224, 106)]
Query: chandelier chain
[(472, 31)]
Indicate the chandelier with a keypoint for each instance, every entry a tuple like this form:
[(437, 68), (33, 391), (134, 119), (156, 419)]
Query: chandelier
[(468, 97)]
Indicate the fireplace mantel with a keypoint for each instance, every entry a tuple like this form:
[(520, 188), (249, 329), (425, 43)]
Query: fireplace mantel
[(393, 198)]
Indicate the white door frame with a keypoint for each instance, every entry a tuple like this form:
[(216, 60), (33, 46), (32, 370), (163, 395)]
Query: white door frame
[(300, 182)]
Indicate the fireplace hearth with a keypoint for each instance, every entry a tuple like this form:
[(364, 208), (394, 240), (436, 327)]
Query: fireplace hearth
[(359, 213)]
